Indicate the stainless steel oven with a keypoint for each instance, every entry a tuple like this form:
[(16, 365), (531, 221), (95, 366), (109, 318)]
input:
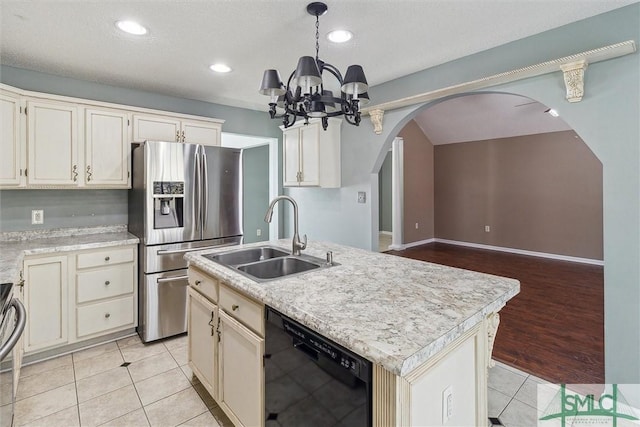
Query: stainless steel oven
[(311, 380), (13, 319)]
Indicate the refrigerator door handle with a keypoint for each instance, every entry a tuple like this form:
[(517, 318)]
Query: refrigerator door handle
[(205, 191), (196, 199)]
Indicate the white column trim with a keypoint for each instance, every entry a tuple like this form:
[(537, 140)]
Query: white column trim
[(397, 192)]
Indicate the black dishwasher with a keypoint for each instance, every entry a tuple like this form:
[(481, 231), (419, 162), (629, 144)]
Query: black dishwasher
[(311, 380)]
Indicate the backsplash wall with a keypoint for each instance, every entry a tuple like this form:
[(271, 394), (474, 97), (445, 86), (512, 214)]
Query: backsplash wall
[(62, 208)]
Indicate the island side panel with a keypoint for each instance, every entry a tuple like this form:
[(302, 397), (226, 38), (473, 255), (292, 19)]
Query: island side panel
[(417, 398)]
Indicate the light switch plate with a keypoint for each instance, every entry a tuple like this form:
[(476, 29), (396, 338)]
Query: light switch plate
[(37, 216)]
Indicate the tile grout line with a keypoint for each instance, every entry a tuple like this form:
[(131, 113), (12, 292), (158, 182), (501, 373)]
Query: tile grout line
[(133, 383), (75, 383)]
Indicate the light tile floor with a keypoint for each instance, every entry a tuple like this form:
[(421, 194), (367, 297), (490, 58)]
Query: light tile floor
[(92, 388), (157, 388)]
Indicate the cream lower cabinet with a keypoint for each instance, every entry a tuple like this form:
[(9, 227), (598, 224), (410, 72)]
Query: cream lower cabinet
[(79, 296), (46, 300), (203, 340), (226, 347), (241, 389)]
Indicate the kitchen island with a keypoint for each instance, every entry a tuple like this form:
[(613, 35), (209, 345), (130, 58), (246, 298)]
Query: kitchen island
[(426, 328)]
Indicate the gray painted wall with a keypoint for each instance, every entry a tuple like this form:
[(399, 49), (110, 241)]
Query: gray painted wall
[(385, 205), (606, 119), (62, 208), (256, 192)]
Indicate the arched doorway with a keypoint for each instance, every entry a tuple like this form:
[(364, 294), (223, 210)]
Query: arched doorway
[(522, 188)]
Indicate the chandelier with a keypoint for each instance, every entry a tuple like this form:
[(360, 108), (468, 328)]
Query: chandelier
[(305, 95)]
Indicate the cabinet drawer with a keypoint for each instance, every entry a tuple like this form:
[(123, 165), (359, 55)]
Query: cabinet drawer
[(204, 284), (102, 316), (105, 257), (105, 282), (243, 309)]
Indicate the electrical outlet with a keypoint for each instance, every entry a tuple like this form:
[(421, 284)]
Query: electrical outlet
[(416, 225), (362, 197), (487, 228), (37, 216), (447, 404), (259, 232)]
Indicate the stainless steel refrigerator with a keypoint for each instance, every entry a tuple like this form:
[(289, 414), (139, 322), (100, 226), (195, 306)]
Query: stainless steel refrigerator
[(183, 197)]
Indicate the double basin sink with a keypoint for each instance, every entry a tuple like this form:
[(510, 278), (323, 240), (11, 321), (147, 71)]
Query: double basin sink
[(264, 263)]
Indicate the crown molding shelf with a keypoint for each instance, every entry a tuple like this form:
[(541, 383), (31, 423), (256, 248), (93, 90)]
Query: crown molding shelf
[(572, 67)]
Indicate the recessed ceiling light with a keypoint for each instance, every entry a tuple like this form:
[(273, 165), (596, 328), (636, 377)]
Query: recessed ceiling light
[(340, 36), (131, 27), (220, 68)]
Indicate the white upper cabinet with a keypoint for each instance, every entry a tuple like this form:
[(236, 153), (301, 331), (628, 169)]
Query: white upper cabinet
[(49, 141), (311, 155), (106, 148), (204, 133), (52, 135), (160, 128), (12, 160)]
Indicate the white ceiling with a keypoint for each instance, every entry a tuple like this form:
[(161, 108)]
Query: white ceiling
[(393, 38), (479, 117)]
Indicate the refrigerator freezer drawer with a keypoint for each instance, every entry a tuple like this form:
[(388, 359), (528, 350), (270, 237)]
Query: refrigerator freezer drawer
[(163, 308)]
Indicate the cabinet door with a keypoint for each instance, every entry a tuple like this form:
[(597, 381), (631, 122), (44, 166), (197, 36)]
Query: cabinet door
[(241, 389), (200, 133), (46, 302), (310, 154), (52, 143), (107, 148), (155, 128), (11, 161), (203, 340), (291, 157)]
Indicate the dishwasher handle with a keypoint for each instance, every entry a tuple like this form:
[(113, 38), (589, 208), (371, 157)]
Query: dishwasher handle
[(21, 321)]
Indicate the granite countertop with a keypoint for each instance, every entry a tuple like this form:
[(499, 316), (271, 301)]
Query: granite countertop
[(14, 246), (394, 311)]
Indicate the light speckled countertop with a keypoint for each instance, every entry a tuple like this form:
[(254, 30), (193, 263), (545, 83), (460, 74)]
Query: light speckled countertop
[(14, 246), (394, 311)]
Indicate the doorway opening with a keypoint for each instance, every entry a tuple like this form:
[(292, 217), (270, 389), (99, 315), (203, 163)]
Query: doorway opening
[(260, 183)]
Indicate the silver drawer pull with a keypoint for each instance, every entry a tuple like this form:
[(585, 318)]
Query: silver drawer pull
[(107, 315), (107, 283), (107, 258), (198, 282), (171, 279), (234, 307)]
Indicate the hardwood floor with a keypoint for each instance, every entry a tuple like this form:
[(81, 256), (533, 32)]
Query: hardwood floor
[(554, 328)]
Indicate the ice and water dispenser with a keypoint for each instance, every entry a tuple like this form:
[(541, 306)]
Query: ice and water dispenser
[(168, 198)]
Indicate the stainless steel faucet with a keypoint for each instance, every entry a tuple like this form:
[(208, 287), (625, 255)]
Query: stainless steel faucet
[(296, 245)]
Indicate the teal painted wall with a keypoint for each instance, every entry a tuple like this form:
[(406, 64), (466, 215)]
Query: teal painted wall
[(255, 192), (385, 188), (606, 119)]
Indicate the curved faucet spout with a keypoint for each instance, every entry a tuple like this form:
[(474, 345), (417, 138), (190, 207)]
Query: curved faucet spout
[(296, 245)]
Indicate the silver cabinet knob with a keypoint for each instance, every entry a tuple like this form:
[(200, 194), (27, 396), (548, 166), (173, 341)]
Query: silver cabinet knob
[(198, 282), (107, 283), (107, 258), (107, 315), (234, 307)]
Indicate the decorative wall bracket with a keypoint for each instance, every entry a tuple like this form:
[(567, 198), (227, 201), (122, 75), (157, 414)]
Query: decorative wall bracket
[(493, 321), (574, 79), (376, 120)]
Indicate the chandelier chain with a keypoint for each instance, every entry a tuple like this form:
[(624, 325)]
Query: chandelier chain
[(317, 36)]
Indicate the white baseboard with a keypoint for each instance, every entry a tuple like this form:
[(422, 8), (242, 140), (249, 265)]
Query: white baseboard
[(520, 252), (411, 244)]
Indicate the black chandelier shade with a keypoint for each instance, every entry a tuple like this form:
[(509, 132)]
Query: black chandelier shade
[(305, 95)]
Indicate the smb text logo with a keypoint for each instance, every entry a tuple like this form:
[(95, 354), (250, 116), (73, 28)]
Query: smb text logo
[(574, 409)]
